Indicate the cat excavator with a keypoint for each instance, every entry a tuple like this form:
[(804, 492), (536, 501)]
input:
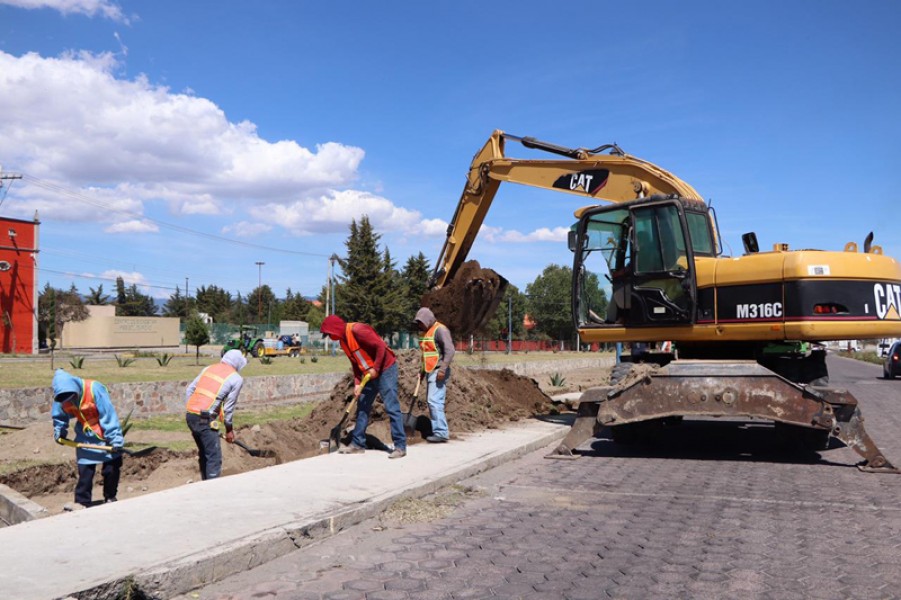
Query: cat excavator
[(746, 329)]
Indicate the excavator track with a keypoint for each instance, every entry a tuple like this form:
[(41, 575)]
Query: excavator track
[(723, 389)]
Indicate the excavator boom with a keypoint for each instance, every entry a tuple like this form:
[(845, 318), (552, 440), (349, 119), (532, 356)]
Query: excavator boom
[(614, 177)]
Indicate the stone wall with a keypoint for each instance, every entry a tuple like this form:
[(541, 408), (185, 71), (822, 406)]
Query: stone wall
[(28, 405)]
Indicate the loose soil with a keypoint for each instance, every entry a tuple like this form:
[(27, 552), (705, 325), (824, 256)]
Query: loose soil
[(469, 300), (37, 467)]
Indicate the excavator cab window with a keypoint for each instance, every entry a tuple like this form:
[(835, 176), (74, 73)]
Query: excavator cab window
[(647, 260)]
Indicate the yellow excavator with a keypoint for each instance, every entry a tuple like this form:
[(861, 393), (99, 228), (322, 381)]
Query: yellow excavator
[(747, 329)]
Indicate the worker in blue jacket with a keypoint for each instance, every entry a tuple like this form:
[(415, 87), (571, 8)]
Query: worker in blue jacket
[(96, 422)]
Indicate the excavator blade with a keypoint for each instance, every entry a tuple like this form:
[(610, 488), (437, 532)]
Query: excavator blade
[(469, 300)]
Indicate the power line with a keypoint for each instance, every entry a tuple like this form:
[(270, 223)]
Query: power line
[(102, 278), (87, 200)]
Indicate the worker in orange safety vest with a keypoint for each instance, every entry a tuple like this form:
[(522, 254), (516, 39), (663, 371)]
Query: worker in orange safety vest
[(437, 348), (212, 398), (96, 423)]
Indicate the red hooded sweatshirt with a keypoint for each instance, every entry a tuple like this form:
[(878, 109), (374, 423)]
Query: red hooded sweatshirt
[(370, 342)]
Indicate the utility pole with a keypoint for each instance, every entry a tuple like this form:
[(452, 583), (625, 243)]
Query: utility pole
[(186, 313), (330, 295), (6, 176), (260, 292)]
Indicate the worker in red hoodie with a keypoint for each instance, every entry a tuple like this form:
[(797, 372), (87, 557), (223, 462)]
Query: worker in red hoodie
[(368, 353)]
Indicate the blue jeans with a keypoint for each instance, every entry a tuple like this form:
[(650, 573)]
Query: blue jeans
[(386, 385), (208, 449), (436, 395)]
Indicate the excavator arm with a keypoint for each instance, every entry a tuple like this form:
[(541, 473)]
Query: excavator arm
[(612, 177)]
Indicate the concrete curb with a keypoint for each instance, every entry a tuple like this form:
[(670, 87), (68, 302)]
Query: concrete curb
[(16, 508), (185, 573)]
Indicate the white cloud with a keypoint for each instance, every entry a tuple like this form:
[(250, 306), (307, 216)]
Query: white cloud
[(542, 234), (332, 213), (245, 229), (132, 226), (70, 121), (105, 8), (433, 227)]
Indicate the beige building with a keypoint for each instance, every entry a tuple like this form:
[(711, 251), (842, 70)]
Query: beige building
[(103, 329)]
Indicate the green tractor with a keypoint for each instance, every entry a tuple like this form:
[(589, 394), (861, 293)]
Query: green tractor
[(247, 341)]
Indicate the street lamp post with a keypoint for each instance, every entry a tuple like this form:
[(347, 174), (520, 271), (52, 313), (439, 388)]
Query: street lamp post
[(260, 292)]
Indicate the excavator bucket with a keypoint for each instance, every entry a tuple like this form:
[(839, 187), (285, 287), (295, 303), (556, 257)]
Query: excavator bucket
[(468, 302)]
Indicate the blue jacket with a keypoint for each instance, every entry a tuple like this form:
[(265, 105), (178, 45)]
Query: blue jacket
[(64, 383)]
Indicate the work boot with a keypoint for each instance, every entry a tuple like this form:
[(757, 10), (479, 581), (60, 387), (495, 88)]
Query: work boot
[(398, 453), (73, 506), (435, 439), (351, 449), (108, 500)]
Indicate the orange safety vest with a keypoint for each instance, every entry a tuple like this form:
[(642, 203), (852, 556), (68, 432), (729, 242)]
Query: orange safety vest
[(208, 387), (430, 354), (86, 411), (353, 351)]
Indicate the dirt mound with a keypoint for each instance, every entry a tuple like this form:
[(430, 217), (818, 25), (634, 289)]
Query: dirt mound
[(467, 303), (476, 400)]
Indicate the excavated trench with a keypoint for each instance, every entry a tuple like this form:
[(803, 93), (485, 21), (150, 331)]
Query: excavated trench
[(476, 400)]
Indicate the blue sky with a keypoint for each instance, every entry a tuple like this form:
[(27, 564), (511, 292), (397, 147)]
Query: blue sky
[(169, 140)]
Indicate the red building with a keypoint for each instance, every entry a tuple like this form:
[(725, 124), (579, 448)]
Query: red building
[(18, 286)]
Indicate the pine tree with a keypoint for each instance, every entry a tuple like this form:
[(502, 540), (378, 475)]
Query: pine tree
[(214, 301), (197, 334), (415, 277), (97, 297), (369, 287), (176, 306)]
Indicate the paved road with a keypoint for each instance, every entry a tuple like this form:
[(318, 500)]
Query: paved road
[(714, 512)]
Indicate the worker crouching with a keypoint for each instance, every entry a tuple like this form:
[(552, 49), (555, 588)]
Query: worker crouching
[(97, 423)]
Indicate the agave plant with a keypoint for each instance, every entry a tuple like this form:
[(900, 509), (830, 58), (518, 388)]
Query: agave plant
[(127, 423), (557, 380), (124, 361), (265, 360), (77, 361), (163, 359)]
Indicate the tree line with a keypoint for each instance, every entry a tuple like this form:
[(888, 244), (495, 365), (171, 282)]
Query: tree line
[(370, 288)]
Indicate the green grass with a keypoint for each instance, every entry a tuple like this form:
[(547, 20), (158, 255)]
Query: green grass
[(25, 372), (242, 417)]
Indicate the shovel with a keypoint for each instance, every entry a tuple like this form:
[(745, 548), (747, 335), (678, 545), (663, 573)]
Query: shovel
[(132, 453), (335, 433), (409, 419), (253, 451)]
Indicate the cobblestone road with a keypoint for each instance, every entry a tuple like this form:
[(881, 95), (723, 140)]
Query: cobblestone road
[(713, 512)]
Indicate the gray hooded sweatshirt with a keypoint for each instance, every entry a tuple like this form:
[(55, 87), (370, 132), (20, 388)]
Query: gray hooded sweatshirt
[(443, 339), (231, 388)]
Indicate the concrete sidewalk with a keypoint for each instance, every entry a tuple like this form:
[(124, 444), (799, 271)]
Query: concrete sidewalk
[(171, 542)]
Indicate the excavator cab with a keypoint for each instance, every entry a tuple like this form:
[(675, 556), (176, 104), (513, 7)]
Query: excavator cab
[(644, 250)]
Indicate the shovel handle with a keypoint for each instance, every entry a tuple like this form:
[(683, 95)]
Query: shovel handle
[(418, 381), (363, 383), (70, 443)]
